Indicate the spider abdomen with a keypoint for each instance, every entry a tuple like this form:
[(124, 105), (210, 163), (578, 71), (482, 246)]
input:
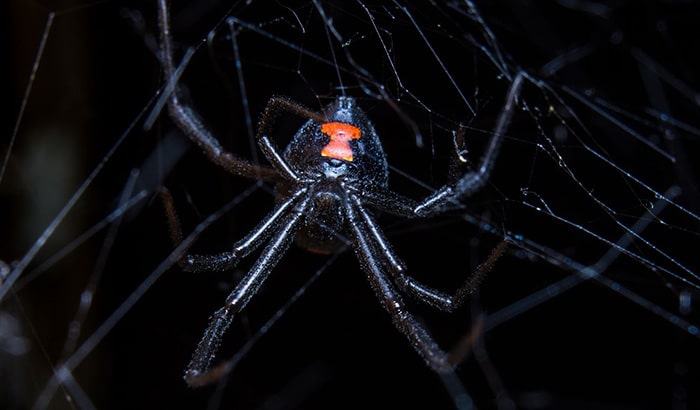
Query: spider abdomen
[(345, 144)]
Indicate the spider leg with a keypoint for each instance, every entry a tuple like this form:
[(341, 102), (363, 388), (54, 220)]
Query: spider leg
[(198, 370), (391, 202), (444, 301), (186, 118), (272, 154), (473, 181), (408, 284), (366, 250), (227, 260), (385, 199), (275, 106)]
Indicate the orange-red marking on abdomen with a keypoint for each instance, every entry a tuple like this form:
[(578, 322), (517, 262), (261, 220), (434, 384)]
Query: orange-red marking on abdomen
[(339, 145)]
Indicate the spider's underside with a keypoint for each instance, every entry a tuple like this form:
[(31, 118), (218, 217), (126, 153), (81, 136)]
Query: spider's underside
[(327, 178)]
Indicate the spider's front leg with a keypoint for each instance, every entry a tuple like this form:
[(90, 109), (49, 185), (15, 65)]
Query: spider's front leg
[(408, 284), (224, 261), (199, 371), (373, 256), (439, 300)]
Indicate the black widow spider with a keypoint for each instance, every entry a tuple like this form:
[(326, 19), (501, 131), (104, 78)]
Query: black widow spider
[(333, 168)]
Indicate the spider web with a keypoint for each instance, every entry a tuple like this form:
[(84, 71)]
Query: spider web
[(593, 305)]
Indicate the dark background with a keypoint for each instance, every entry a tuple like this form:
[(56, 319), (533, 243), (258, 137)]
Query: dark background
[(616, 342)]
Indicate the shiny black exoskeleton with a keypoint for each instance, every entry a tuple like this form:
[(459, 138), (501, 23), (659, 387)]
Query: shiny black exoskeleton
[(327, 179)]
